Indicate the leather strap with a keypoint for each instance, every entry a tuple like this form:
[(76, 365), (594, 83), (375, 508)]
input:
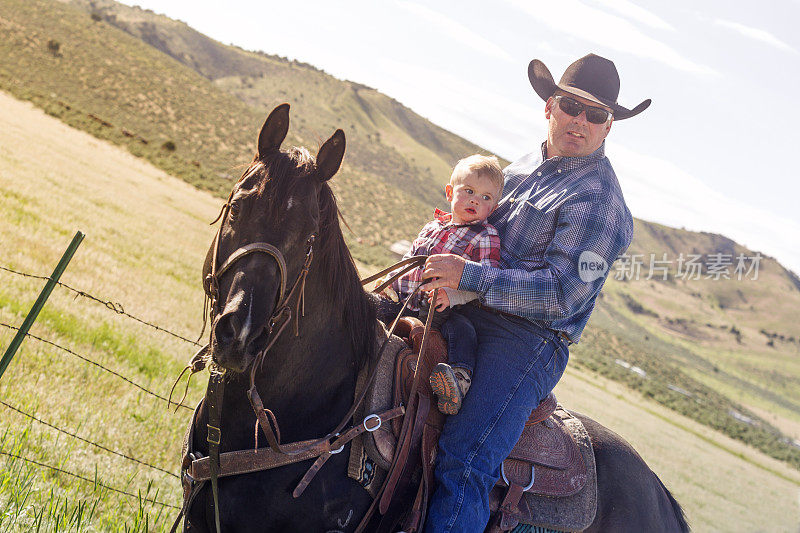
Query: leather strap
[(248, 461), (258, 247), (413, 521), (216, 389), (187, 502), (402, 442), (430, 438), (408, 264), (190, 488), (507, 518), (400, 474), (405, 439), (375, 421)]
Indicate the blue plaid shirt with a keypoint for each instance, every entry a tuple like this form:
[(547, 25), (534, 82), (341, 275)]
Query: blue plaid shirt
[(562, 223)]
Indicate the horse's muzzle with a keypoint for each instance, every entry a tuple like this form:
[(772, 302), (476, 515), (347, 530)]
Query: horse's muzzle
[(234, 344)]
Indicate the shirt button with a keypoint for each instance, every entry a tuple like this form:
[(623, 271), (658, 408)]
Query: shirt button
[(559, 171), (511, 200), (539, 173)]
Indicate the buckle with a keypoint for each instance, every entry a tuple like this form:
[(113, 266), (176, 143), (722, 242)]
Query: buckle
[(373, 417), (214, 435), (339, 449), (524, 489)]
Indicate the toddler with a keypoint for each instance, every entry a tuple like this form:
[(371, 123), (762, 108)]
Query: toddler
[(473, 192)]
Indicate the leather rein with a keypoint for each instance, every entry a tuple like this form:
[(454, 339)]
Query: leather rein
[(212, 467)]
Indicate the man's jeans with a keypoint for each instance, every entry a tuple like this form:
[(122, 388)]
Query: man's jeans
[(518, 364)]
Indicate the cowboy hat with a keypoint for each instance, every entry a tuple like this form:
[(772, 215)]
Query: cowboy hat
[(592, 77)]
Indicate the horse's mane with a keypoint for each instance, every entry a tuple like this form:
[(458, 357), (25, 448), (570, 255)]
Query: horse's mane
[(281, 171), (680, 515)]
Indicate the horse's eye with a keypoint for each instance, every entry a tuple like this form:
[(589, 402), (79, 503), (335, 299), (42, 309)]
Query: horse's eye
[(234, 211)]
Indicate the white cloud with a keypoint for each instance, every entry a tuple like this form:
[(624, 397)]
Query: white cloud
[(478, 112), (756, 34), (597, 26), (639, 14), (661, 191), (455, 30)]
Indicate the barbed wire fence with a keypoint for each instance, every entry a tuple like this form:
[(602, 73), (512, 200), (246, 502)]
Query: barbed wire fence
[(111, 305), (87, 441), (100, 366), (117, 308)]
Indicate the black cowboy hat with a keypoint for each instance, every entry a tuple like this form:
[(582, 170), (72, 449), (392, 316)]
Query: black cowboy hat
[(592, 77)]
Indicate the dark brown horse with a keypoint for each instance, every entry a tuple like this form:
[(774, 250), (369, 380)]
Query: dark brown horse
[(308, 381)]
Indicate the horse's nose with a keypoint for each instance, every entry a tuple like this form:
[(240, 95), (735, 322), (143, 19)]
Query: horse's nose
[(227, 329)]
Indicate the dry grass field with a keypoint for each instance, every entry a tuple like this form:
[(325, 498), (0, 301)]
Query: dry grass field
[(146, 237)]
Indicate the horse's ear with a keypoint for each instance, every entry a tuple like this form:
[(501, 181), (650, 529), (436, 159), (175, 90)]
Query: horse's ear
[(273, 132), (330, 156)]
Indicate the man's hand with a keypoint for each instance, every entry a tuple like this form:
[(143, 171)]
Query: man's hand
[(442, 301), (443, 270)]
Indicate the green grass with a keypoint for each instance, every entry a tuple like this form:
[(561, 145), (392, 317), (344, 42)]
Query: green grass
[(23, 484), (154, 274)]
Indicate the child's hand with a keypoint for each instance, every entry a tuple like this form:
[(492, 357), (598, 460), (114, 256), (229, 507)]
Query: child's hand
[(442, 301)]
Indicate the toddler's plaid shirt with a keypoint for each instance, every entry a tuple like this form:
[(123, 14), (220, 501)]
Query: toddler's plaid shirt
[(477, 242)]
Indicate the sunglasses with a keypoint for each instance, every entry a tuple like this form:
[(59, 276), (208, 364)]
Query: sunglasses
[(573, 108)]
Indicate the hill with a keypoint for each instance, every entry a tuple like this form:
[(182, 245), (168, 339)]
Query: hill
[(723, 351), (80, 67), (146, 240)]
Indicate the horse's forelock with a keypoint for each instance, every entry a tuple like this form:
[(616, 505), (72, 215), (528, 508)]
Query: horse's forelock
[(277, 175)]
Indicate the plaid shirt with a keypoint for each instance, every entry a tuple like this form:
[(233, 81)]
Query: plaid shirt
[(563, 222), (478, 242)]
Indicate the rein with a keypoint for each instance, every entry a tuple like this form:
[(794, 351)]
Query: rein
[(322, 448)]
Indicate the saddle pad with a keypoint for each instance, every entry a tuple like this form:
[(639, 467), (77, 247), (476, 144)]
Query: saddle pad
[(574, 512), (527, 528), (371, 453)]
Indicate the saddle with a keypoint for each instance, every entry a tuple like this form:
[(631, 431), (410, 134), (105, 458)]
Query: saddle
[(548, 479)]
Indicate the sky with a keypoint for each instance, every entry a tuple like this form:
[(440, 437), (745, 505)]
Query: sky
[(712, 153)]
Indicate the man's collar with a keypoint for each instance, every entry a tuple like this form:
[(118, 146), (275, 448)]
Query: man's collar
[(573, 163)]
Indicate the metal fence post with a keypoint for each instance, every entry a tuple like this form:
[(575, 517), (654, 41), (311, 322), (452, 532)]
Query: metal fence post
[(40, 301)]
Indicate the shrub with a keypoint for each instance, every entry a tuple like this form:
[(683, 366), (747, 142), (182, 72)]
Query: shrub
[(54, 47)]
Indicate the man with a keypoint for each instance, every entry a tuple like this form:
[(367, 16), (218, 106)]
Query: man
[(562, 223)]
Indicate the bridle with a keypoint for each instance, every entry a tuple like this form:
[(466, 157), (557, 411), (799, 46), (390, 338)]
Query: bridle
[(282, 309), (277, 323)]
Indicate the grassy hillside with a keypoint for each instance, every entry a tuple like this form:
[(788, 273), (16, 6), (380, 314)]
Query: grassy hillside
[(146, 239), (96, 77), (735, 343)]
